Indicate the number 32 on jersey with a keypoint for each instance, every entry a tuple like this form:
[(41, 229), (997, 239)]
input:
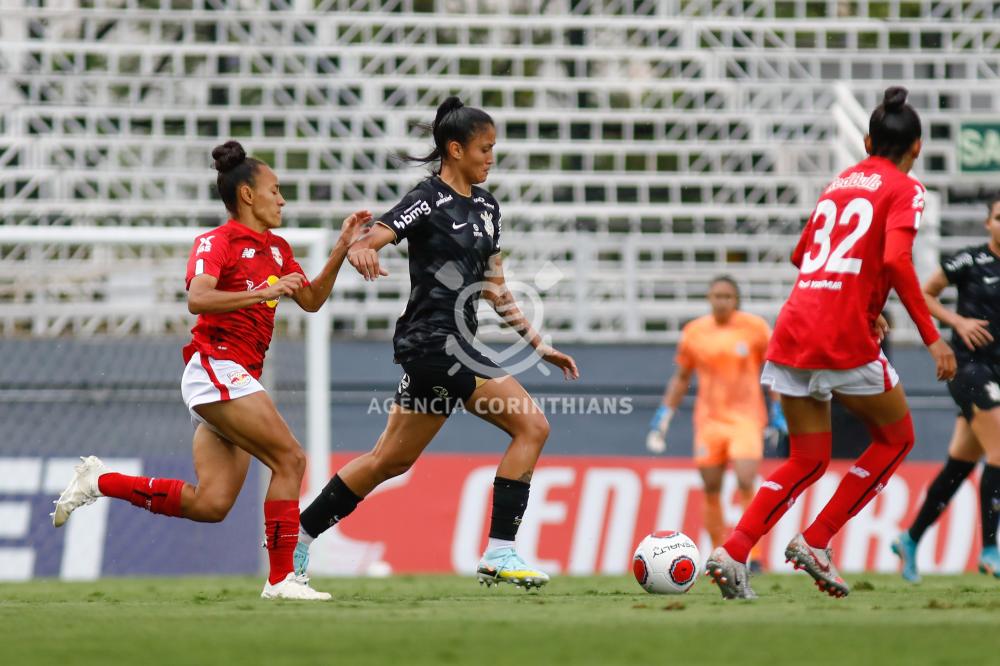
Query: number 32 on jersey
[(834, 259)]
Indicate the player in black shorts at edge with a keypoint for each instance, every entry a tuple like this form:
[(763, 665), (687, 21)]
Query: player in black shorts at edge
[(975, 271), (453, 229)]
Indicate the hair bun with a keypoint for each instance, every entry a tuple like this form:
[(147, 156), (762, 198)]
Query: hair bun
[(451, 104), (228, 156), (894, 98)]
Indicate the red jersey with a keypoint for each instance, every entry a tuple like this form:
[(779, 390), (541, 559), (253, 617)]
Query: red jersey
[(241, 260), (843, 282)]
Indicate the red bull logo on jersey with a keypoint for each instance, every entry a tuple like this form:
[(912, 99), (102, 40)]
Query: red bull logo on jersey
[(856, 180), (238, 378)]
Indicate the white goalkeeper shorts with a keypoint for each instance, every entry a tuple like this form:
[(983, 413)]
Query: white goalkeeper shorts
[(870, 379), (208, 380)]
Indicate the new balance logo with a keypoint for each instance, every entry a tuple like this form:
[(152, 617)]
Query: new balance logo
[(860, 472), (248, 253), (771, 485)]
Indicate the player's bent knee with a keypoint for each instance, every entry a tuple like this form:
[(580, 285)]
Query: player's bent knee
[(215, 511), (535, 429), (900, 433), (386, 468), (289, 461)]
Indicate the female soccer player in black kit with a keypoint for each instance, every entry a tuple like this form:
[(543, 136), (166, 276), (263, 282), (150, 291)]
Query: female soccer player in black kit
[(453, 228), (975, 272)]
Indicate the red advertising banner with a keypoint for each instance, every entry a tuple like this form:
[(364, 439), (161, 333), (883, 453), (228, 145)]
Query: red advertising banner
[(586, 515)]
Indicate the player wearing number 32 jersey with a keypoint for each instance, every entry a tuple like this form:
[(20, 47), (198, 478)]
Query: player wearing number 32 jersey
[(856, 247), (864, 223)]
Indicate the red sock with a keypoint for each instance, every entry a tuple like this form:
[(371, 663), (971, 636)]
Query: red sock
[(161, 496), (809, 457), (870, 473), (281, 529)]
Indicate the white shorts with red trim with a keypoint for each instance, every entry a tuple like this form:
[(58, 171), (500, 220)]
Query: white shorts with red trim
[(870, 379), (208, 380)]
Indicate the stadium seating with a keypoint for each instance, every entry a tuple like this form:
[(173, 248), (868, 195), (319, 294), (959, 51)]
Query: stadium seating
[(644, 146)]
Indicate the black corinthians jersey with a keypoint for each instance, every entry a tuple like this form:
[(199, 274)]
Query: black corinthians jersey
[(975, 271), (451, 237)]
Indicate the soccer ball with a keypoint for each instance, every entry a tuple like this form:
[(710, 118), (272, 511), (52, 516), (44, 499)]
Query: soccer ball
[(666, 563)]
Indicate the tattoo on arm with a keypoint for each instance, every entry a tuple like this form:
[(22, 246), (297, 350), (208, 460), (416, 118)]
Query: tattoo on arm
[(526, 477), (507, 309)]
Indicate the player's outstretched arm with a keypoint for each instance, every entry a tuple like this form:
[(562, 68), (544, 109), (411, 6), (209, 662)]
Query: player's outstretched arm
[(499, 296), (312, 296), (204, 298), (363, 253)]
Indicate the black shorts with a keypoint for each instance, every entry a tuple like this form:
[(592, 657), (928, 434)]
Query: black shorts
[(438, 383), (976, 386)]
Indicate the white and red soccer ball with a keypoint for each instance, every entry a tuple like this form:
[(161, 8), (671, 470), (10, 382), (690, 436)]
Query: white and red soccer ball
[(666, 562)]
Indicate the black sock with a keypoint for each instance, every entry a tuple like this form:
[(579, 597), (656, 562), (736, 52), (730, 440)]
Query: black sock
[(331, 506), (939, 493), (989, 503), (510, 499)]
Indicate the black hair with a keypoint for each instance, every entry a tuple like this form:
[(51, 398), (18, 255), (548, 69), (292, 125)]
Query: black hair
[(453, 122), (990, 203), (728, 280), (894, 125), (235, 169)]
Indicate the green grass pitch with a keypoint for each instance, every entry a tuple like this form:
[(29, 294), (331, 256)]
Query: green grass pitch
[(452, 620)]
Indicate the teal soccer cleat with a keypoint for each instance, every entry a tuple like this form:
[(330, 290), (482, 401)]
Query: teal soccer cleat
[(504, 565), (301, 558), (906, 549), (989, 561)]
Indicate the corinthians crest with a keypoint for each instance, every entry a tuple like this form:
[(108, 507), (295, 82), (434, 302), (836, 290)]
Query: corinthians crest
[(487, 222)]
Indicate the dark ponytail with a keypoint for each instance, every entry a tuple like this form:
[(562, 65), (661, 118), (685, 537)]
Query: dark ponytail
[(453, 122), (894, 125), (235, 169)]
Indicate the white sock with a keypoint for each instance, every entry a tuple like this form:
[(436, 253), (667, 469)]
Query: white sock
[(304, 537), (493, 544)]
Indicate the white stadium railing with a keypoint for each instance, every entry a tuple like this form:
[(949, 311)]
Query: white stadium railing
[(670, 140)]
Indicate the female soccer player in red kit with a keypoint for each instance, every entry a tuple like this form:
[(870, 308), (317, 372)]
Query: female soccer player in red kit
[(235, 275), (856, 246)]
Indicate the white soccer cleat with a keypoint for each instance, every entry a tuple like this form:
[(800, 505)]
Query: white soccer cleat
[(81, 491), (293, 587)]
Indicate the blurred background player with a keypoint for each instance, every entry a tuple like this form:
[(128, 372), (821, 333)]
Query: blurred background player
[(975, 272), (856, 246), (453, 228), (726, 348), (235, 276)]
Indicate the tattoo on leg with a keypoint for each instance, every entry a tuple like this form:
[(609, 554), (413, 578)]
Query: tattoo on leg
[(526, 477)]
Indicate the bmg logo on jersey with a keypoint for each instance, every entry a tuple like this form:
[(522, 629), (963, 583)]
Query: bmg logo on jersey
[(412, 214)]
